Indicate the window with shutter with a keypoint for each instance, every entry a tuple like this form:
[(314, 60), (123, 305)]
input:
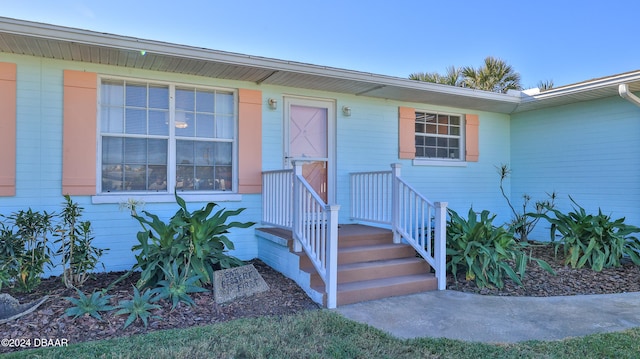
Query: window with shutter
[(437, 136)]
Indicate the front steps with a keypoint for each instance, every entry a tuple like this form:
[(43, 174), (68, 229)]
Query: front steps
[(370, 266)]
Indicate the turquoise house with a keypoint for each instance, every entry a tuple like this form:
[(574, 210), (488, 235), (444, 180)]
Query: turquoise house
[(109, 118)]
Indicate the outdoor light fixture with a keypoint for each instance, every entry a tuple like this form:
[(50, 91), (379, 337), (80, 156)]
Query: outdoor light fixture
[(273, 103), (346, 110)]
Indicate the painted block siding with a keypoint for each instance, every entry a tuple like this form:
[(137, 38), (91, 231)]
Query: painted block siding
[(39, 108), (366, 141), (587, 150)]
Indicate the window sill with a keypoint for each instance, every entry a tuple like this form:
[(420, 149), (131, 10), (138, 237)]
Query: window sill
[(439, 163), (165, 197)]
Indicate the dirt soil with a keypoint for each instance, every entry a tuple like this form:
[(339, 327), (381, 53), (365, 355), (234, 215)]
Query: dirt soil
[(283, 297)]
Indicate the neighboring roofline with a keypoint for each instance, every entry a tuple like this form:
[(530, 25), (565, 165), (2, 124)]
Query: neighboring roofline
[(593, 84), (598, 88)]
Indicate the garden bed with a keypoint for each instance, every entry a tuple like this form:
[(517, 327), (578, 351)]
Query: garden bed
[(283, 297), (567, 281), (48, 321)]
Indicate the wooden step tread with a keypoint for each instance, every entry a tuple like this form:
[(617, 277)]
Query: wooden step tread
[(380, 283)]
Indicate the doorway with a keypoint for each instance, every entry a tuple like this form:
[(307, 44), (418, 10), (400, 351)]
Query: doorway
[(309, 136)]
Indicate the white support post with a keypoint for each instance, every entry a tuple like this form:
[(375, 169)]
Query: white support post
[(297, 211), (332, 256), (395, 201), (441, 244)]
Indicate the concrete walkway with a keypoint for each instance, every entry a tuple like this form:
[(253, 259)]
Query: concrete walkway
[(492, 319)]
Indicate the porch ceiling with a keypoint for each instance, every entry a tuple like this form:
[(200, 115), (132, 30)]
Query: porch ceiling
[(57, 42)]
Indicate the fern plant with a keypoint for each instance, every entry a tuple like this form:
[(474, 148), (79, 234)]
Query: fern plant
[(92, 305), (138, 307)]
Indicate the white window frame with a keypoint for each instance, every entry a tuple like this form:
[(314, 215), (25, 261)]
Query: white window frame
[(168, 194), (451, 162)]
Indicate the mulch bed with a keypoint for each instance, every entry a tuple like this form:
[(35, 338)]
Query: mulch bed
[(48, 321), (567, 281), (283, 297)]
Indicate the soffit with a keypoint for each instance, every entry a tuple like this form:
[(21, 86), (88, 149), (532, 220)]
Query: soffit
[(55, 42)]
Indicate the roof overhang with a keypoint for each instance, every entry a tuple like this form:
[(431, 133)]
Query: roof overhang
[(63, 43)]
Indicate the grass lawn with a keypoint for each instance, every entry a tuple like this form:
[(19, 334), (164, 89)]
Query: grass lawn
[(325, 334)]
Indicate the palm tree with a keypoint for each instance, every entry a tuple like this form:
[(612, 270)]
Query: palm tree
[(452, 77), (495, 75), (545, 85)]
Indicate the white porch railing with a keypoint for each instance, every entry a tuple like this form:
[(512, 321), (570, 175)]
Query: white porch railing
[(290, 202), (277, 198), (383, 197)]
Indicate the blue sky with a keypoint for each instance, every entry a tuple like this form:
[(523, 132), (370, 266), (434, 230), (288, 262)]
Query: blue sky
[(565, 41)]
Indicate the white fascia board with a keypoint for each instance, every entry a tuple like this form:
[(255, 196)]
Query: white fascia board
[(596, 84)]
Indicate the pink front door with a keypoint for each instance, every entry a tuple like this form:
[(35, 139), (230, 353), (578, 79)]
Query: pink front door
[(308, 128)]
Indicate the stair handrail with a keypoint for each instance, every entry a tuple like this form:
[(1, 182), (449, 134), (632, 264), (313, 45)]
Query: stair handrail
[(315, 229), (291, 203), (383, 197)]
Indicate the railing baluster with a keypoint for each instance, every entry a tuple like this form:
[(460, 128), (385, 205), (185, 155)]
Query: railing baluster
[(290, 202), (383, 197)]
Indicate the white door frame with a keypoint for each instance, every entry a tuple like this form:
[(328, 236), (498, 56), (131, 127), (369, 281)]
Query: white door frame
[(330, 105)]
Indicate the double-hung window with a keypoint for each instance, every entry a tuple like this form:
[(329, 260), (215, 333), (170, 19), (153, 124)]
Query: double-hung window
[(439, 136), (156, 137)]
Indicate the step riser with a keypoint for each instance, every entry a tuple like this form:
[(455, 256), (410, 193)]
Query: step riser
[(366, 254), (380, 271), (353, 241), (385, 292), (372, 254)]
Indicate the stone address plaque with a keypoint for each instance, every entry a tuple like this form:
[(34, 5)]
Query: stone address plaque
[(232, 283)]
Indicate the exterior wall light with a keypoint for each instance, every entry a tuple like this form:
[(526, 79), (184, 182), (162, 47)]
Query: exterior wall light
[(346, 111), (273, 103)]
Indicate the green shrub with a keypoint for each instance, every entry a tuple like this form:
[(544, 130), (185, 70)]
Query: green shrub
[(592, 240), (25, 248), (25, 252), (11, 254), (79, 256), (485, 251), (196, 242)]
